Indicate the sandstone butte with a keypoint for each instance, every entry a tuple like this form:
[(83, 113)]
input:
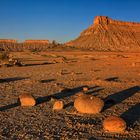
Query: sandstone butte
[(107, 34)]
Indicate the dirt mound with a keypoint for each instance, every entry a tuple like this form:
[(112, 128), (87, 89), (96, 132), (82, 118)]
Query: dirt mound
[(109, 35)]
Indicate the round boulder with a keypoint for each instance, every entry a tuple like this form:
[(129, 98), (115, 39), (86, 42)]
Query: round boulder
[(114, 124), (27, 100), (88, 104), (58, 105)]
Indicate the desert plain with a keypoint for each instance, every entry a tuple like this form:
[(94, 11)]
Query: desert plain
[(112, 76)]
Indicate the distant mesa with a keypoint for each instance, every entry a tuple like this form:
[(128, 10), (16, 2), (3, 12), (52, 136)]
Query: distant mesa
[(32, 45), (8, 41), (106, 34), (26, 41), (37, 41)]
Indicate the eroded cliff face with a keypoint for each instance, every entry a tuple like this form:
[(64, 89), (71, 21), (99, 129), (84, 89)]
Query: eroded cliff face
[(107, 34)]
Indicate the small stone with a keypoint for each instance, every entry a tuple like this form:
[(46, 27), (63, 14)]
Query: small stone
[(114, 124), (27, 100), (85, 89), (58, 105)]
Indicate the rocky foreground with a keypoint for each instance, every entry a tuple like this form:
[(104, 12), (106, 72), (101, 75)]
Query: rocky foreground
[(112, 77)]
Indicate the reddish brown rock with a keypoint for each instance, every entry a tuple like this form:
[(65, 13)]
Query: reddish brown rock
[(107, 34), (27, 100), (114, 124), (85, 89), (101, 20), (88, 104), (58, 105)]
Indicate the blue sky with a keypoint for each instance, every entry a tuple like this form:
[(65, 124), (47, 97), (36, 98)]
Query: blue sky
[(60, 20)]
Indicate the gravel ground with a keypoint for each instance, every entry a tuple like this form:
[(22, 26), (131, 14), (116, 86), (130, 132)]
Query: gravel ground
[(62, 75)]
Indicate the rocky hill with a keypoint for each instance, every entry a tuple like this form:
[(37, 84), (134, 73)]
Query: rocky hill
[(107, 34)]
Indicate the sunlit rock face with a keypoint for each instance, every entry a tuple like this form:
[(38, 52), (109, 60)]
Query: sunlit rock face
[(101, 20), (106, 34)]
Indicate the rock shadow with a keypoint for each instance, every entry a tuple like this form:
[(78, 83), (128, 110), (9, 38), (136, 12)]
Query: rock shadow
[(118, 97), (59, 95), (3, 108), (47, 81), (6, 80), (112, 79), (68, 105), (92, 91), (132, 115), (37, 64)]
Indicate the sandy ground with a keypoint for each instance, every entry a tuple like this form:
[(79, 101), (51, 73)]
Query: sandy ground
[(61, 74)]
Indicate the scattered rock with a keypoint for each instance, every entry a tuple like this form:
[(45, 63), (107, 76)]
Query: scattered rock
[(85, 89), (88, 104), (27, 100), (58, 105), (114, 124)]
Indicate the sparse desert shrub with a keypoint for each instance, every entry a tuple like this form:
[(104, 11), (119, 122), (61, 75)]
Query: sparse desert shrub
[(114, 124), (4, 55), (88, 104), (27, 100), (58, 105)]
